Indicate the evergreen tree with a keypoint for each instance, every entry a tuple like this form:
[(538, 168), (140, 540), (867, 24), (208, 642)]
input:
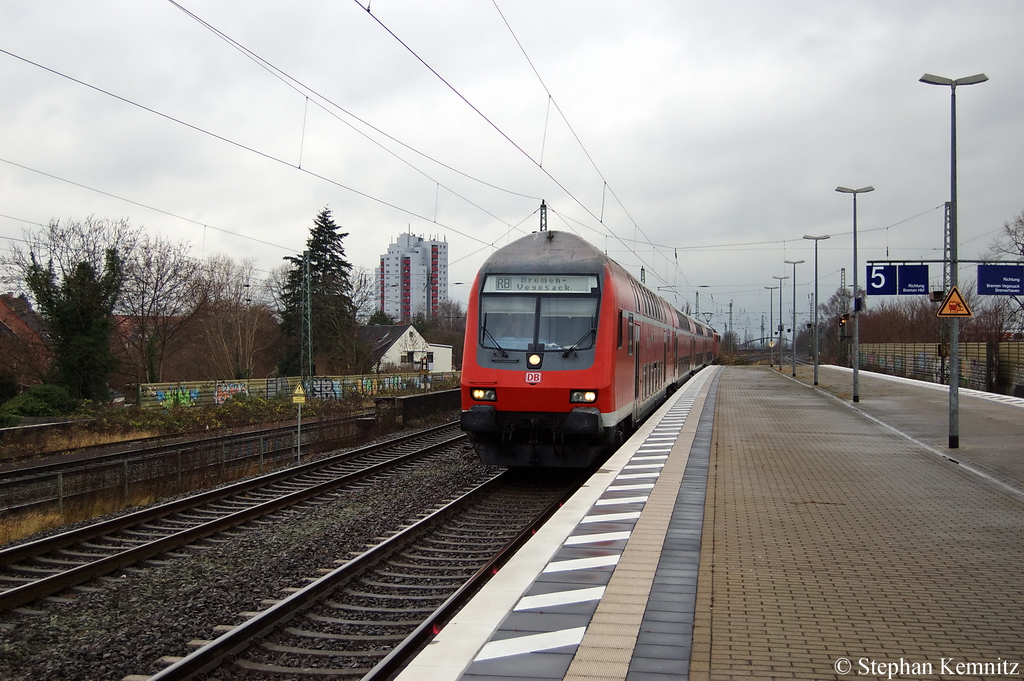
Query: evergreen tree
[(379, 318), (333, 317), (78, 312)]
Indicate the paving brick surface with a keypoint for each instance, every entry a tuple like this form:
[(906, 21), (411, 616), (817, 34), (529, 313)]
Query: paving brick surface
[(829, 538)]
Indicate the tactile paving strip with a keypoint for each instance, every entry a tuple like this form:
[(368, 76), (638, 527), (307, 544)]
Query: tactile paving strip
[(540, 637)]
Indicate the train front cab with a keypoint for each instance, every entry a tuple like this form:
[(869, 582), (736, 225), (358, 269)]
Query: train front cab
[(537, 372)]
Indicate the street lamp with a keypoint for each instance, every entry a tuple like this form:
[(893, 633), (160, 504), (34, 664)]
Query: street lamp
[(771, 327), (954, 323), (816, 239), (794, 263), (856, 297), (781, 325)]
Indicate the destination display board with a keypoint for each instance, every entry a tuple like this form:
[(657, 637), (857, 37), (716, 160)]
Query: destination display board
[(892, 280), (1001, 280), (540, 283), (913, 280)]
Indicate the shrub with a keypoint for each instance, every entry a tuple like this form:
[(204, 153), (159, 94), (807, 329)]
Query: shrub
[(41, 400)]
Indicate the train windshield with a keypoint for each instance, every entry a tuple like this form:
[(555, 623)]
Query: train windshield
[(532, 322)]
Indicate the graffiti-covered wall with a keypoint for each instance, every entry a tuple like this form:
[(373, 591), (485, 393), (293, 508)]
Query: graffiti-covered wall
[(993, 368), (320, 387)]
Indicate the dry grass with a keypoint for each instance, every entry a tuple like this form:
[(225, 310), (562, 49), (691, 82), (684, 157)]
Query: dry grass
[(12, 529), (59, 442)]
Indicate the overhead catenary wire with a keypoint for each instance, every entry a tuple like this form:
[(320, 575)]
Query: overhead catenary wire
[(501, 132), (227, 140), (329, 106)]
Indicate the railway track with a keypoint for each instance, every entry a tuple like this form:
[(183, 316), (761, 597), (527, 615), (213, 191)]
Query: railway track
[(47, 566), (364, 619), (159, 466)]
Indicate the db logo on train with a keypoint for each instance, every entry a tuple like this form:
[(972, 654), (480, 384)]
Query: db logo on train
[(533, 377)]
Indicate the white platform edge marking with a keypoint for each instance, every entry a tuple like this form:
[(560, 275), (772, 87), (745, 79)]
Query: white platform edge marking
[(554, 598), (578, 539), (451, 652), (531, 643)]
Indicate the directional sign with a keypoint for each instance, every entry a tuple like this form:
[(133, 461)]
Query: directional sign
[(1001, 280), (913, 280), (881, 280), (954, 306), (890, 280)]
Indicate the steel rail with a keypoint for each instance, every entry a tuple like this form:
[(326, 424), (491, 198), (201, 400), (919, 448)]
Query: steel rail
[(19, 552), (21, 595), (147, 446), (430, 627), (216, 652)]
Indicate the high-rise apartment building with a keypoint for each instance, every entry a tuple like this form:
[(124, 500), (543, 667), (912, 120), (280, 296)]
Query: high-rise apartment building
[(413, 277)]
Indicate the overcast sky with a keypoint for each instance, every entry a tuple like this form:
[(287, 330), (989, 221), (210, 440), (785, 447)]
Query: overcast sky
[(700, 140)]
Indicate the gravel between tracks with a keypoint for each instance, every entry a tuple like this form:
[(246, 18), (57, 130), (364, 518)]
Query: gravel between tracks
[(126, 626)]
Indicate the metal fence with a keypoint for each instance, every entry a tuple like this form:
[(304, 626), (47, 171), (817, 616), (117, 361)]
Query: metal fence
[(136, 477), (992, 367), (124, 477)]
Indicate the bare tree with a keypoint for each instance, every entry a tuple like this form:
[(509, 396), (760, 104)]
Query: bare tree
[(365, 294), (161, 295), (448, 327), (66, 245), (1011, 242), (158, 294), (238, 325)]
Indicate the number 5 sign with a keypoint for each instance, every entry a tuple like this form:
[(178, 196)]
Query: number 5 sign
[(881, 280)]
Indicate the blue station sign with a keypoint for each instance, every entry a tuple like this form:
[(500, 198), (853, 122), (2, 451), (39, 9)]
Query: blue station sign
[(892, 280), (1001, 280), (913, 280)]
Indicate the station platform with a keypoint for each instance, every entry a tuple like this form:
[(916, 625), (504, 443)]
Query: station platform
[(759, 527)]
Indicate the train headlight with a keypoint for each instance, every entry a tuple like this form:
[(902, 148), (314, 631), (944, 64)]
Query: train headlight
[(484, 394), (534, 361), (583, 396)]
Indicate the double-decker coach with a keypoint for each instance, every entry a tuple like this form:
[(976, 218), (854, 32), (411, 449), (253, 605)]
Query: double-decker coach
[(565, 353)]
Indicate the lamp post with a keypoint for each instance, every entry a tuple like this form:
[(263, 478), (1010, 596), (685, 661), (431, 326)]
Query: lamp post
[(856, 297), (954, 323), (816, 239), (794, 263), (771, 327), (781, 325)]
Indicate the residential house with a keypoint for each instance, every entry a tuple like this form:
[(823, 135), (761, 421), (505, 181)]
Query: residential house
[(402, 348)]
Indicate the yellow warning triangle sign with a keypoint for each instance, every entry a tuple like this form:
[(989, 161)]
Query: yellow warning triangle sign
[(954, 305), (299, 392)]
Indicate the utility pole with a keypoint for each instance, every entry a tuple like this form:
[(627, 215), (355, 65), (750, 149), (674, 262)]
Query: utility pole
[(306, 331)]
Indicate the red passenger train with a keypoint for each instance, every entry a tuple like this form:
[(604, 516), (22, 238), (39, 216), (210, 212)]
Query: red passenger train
[(566, 353)]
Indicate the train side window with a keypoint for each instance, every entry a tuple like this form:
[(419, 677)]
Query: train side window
[(631, 337), (622, 320)]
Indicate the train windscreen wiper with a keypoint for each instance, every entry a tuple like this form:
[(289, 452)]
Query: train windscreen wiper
[(575, 346), (497, 346)]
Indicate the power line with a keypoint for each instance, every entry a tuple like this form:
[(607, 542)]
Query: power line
[(233, 143), (141, 205), (305, 90), (493, 125), (561, 113)]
